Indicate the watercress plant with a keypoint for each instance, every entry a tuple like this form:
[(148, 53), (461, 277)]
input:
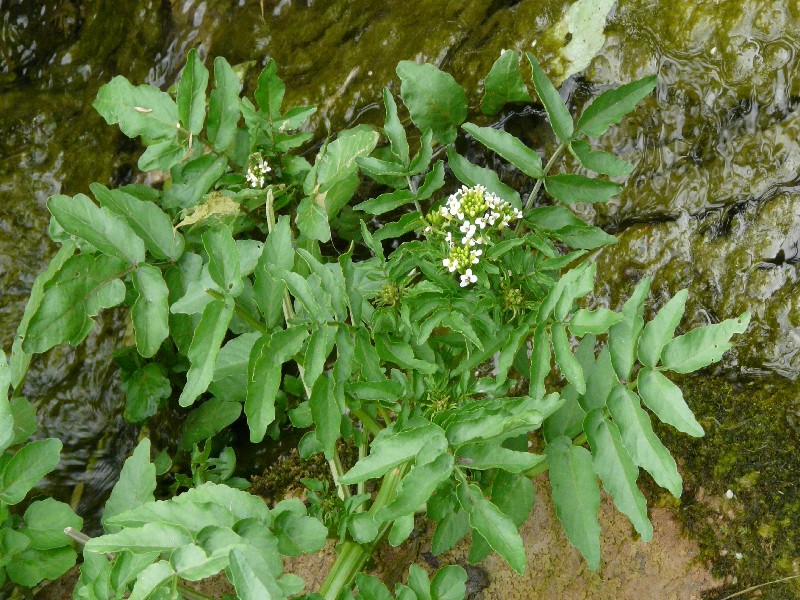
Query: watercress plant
[(419, 326)]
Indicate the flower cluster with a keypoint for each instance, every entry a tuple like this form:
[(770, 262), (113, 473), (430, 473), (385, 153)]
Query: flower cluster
[(468, 220), (256, 174)]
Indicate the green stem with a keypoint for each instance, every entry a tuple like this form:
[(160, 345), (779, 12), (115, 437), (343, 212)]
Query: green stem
[(353, 556), (540, 182), (370, 424)]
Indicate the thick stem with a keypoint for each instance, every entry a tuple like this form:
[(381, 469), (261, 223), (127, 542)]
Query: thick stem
[(353, 556)]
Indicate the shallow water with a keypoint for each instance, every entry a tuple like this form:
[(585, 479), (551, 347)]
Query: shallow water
[(712, 203)]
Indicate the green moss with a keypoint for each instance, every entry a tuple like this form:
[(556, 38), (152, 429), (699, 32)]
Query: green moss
[(752, 450)]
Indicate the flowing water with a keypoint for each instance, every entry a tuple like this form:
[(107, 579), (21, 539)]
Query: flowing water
[(713, 203)]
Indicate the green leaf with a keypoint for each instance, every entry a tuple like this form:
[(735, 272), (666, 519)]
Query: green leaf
[(223, 259), (658, 332), (599, 161), (600, 380), (278, 253), (31, 566), (386, 202), (103, 229), (371, 588), (514, 494), (593, 321), (433, 98), (230, 371), (624, 336), (578, 188), (557, 112), (490, 455), (565, 360), (27, 467), (161, 156), (422, 159), (394, 130), (617, 470), (6, 414), (150, 580), (540, 361), (84, 285), (401, 530), (665, 399), (144, 390), (496, 527), (271, 89), (337, 160), (326, 414), (192, 180), (449, 531), (264, 376), (504, 84), (20, 360), (702, 346), (26, 421), (508, 147), (140, 110), (191, 96), (417, 487), (576, 496), (299, 534), (150, 537), (146, 218), (642, 444), (223, 105), (12, 542), (609, 107), (391, 449), (205, 346), (44, 523), (137, 482), (150, 311), (449, 583), (312, 221), (471, 174), (204, 422)]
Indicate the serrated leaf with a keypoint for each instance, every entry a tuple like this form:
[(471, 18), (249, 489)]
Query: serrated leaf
[(83, 286), (27, 467), (557, 112), (702, 346), (191, 95), (609, 107), (508, 147), (565, 360), (617, 470), (599, 161), (471, 175), (504, 84), (593, 321), (576, 496), (624, 336), (141, 110), (496, 527), (568, 188), (204, 348), (135, 487), (150, 311), (641, 442), (394, 130), (146, 218), (433, 98), (103, 229), (417, 487), (665, 399), (223, 105)]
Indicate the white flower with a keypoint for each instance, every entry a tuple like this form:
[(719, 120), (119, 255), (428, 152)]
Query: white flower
[(729, 494), (468, 277)]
